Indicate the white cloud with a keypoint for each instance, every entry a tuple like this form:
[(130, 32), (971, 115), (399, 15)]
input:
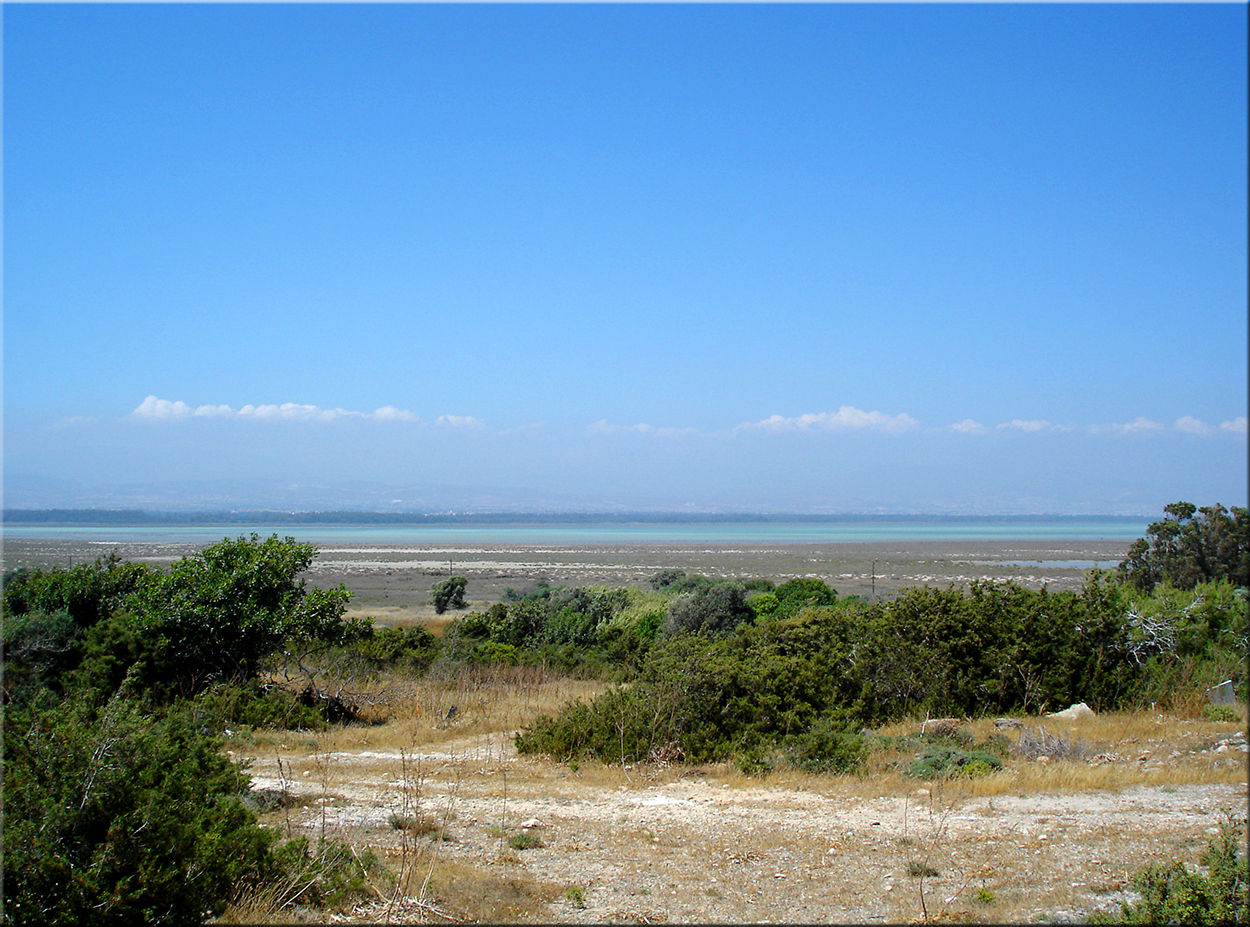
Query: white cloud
[(154, 409), (604, 427), (1028, 425), (213, 410), (459, 421), (161, 409), (392, 414), (1193, 426), (847, 417), (1136, 426), (968, 427), (1237, 426)]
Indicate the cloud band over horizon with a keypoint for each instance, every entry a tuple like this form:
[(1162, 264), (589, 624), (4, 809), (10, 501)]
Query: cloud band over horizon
[(845, 419)]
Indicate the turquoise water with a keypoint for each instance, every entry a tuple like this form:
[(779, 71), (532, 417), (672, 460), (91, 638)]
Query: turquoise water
[(606, 534)]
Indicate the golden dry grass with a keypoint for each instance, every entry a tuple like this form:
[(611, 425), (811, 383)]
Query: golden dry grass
[(498, 884)]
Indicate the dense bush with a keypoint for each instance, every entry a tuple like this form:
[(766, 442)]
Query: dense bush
[(711, 697), (796, 594), (717, 608), (572, 627), (773, 685), (113, 816), (120, 806)]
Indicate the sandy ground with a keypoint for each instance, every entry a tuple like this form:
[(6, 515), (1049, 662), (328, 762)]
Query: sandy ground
[(702, 845), (392, 583)]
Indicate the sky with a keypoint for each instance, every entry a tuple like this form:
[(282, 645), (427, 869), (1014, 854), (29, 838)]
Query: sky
[(986, 258)]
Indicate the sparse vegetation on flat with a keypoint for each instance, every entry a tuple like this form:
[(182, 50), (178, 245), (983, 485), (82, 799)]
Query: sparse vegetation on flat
[(694, 748)]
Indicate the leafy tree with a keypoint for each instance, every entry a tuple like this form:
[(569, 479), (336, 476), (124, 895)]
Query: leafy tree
[(1191, 545), (219, 614), (449, 594)]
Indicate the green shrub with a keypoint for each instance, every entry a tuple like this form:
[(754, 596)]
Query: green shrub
[(800, 593), (115, 817), (939, 762), (1174, 894), (828, 748), (325, 874), (1220, 713), (718, 608), (525, 841), (449, 593), (230, 705)]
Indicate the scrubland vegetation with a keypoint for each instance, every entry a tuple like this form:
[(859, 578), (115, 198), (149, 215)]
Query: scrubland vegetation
[(120, 682)]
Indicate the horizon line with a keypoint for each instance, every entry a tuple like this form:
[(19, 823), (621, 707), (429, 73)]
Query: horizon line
[(90, 516)]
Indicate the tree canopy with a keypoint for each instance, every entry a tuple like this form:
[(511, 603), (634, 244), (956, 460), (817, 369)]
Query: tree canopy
[(1191, 545)]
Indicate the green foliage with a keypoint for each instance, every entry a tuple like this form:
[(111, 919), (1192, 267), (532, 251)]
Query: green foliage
[(581, 628), (449, 594), (413, 648), (255, 706), (86, 593), (327, 874), (38, 646), (1174, 894), (221, 613), (997, 648), (1220, 713), (946, 762), (800, 593), (791, 689), (764, 604), (114, 817), (828, 747), (525, 841), (717, 608), (1189, 546), (712, 697)]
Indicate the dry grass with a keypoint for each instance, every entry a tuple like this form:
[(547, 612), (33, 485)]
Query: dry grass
[(474, 876), (410, 713)]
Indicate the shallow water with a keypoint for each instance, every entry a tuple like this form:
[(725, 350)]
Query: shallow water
[(581, 535)]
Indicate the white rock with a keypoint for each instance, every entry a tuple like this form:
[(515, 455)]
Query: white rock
[(532, 824), (1079, 710)]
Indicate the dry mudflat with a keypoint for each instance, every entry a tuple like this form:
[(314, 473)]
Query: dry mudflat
[(391, 583)]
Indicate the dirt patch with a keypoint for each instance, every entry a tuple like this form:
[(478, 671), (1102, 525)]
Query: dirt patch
[(630, 844)]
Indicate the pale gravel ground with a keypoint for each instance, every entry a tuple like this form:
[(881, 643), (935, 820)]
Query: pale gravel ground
[(685, 846)]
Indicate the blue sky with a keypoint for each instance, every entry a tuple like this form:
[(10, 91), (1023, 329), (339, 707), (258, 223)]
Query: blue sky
[(973, 258)]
